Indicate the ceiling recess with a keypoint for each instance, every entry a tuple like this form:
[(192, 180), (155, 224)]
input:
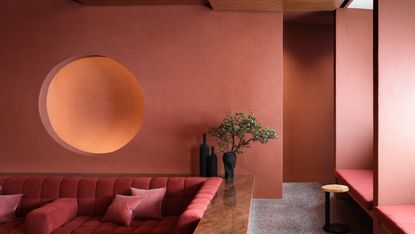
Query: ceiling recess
[(235, 5)]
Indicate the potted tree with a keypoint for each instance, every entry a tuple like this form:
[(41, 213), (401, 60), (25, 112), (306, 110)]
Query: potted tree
[(236, 133)]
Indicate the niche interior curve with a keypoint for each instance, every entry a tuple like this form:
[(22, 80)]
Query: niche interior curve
[(92, 105)]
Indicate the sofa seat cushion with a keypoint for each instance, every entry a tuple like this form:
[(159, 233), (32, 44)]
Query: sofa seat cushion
[(15, 227), (360, 182), (399, 219), (89, 225)]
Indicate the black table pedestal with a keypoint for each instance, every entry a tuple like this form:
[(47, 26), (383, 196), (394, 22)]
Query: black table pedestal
[(333, 227)]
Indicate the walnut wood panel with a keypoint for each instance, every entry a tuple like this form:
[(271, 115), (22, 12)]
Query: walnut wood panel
[(229, 210), (142, 2), (275, 5)]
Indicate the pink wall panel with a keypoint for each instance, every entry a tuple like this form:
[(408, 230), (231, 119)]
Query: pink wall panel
[(309, 97), (396, 110), (193, 64), (354, 88)]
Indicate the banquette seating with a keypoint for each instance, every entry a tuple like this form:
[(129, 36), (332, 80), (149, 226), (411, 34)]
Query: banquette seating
[(360, 183), (396, 219), (63, 205)]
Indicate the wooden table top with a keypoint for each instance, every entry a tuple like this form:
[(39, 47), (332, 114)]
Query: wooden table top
[(335, 188), (229, 210)]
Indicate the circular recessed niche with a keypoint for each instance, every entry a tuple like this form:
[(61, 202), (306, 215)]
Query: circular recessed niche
[(91, 105)]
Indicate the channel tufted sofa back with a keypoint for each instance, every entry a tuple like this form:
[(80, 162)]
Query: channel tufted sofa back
[(94, 194)]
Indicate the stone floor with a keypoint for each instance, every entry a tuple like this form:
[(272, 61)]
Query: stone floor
[(302, 211)]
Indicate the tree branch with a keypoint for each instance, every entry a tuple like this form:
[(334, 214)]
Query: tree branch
[(240, 144), (233, 142)]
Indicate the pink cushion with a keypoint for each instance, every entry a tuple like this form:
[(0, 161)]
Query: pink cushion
[(8, 206), (399, 219), (360, 182), (150, 206), (121, 209)]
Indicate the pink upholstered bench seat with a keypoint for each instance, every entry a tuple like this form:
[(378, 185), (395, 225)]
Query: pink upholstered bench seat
[(400, 219), (90, 225), (75, 205), (16, 227), (360, 182)]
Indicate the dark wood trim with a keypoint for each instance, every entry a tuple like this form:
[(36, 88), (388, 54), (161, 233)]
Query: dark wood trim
[(376, 100), (335, 87), (141, 2), (345, 3)]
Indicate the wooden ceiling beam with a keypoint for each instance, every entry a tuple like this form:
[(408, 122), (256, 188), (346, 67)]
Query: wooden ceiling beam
[(141, 2), (275, 5), (234, 5)]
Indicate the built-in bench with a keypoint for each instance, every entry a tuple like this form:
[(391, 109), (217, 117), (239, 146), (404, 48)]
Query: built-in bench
[(360, 183), (397, 219)]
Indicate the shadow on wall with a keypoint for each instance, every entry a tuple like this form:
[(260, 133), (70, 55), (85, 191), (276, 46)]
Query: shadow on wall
[(311, 47)]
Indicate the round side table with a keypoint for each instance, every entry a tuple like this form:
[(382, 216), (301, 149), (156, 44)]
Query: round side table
[(334, 227)]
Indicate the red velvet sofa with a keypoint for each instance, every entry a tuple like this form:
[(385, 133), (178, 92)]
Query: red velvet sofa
[(63, 205)]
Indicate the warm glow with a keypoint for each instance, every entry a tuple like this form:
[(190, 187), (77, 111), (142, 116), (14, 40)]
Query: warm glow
[(94, 104)]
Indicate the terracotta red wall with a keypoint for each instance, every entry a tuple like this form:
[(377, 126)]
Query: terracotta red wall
[(194, 65), (354, 88), (308, 97), (396, 102)]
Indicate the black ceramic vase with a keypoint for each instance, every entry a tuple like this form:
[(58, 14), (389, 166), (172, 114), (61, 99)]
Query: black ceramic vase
[(229, 163), (212, 164), (203, 154)]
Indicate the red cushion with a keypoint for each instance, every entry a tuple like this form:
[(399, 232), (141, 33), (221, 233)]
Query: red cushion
[(151, 201), (8, 205), (89, 225), (51, 216), (121, 209), (360, 182), (399, 219), (194, 212), (15, 227)]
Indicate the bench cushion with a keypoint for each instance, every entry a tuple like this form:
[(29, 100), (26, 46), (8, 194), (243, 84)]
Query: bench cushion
[(15, 227), (360, 182), (89, 225), (398, 219)]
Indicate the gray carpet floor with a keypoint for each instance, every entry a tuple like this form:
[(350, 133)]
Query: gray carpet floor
[(301, 211)]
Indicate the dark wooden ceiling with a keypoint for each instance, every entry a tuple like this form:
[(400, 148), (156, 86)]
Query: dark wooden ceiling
[(142, 2), (275, 5), (234, 5)]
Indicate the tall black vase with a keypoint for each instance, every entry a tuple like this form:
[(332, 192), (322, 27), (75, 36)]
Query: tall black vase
[(229, 163), (203, 154), (212, 164)]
